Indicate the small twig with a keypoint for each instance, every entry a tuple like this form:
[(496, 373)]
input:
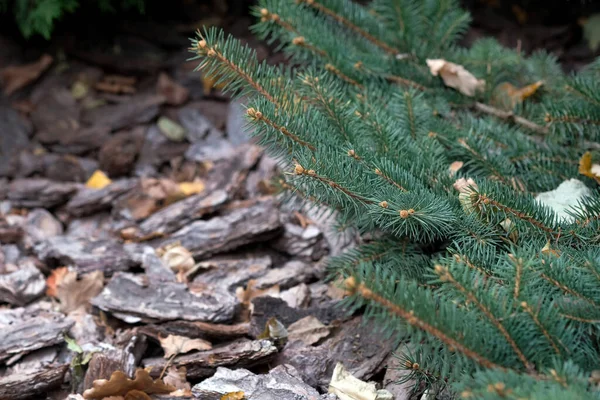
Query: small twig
[(509, 115), (167, 365)]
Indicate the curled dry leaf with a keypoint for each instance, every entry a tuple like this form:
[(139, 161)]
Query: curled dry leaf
[(245, 296), (455, 166), (466, 188), (173, 345), (587, 168), (456, 76), (15, 77), (98, 180), (507, 96), (120, 385), (309, 330), (177, 258), (347, 387)]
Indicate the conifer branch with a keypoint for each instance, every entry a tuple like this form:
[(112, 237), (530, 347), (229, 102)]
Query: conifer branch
[(570, 291), (390, 180), (411, 319), (446, 276), (300, 170), (495, 173), (266, 15), (258, 116), (510, 116), (580, 319), (356, 29), (541, 327), (204, 50), (334, 70), (405, 82), (521, 215)]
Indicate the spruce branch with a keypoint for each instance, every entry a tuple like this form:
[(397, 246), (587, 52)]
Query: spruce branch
[(510, 116), (256, 115), (350, 25), (446, 276), (409, 316), (541, 327)]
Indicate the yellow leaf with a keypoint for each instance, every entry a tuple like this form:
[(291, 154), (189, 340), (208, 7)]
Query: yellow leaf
[(233, 396), (189, 188), (98, 180), (456, 76)]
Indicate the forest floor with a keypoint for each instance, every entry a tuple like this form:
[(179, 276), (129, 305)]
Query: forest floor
[(178, 265)]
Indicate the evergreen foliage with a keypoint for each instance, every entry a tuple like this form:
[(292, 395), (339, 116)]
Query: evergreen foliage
[(501, 296), (37, 17)]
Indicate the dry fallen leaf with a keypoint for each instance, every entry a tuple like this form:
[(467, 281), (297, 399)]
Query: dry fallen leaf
[(120, 385), (507, 96), (246, 295), (348, 387), (15, 77), (173, 345), (178, 259), (98, 180), (73, 293), (274, 330), (136, 395), (177, 378), (588, 169), (456, 76), (454, 167), (309, 330), (149, 196), (54, 279)]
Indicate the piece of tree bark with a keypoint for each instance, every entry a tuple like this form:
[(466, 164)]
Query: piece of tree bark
[(28, 334), (85, 254), (134, 298), (232, 272), (118, 154), (32, 383), (203, 330), (363, 351), (89, 201), (181, 213), (239, 354), (22, 286), (10, 232), (239, 227), (42, 193), (138, 109), (126, 360)]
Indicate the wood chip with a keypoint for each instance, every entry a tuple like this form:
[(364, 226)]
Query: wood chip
[(239, 354), (131, 298)]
